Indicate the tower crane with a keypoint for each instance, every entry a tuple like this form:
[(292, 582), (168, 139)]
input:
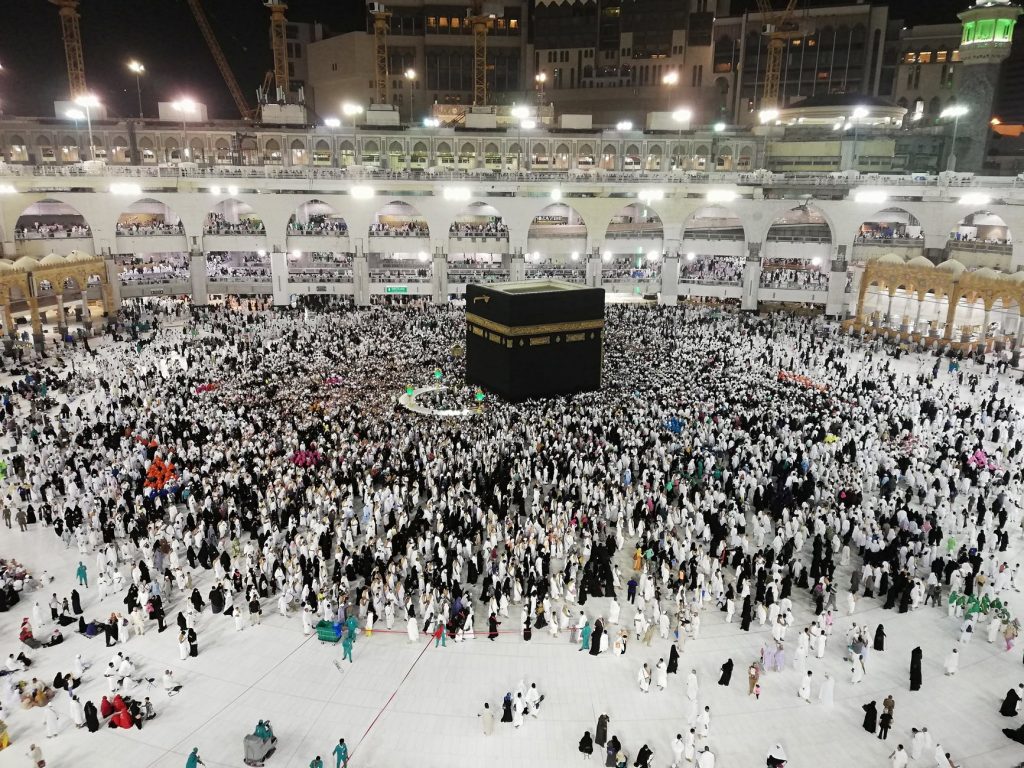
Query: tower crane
[(481, 12), (246, 111), (72, 46), (381, 27), (278, 43), (776, 29)]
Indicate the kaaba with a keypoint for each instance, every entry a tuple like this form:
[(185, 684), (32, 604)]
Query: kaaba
[(539, 338)]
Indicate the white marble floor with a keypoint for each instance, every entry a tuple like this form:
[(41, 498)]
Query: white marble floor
[(411, 704)]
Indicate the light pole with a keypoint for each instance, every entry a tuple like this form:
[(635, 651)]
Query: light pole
[(333, 123), (88, 101), (352, 110), (521, 114), (76, 115), (540, 78), (681, 116), (410, 75), (670, 80), (185, 107), (137, 68), (956, 112), (859, 113)]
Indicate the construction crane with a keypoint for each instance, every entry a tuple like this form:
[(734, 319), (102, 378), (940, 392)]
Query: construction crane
[(778, 30), (279, 45), (72, 46), (478, 22), (246, 111), (480, 14), (381, 27)]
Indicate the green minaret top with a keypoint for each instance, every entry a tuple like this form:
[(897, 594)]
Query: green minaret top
[(988, 31)]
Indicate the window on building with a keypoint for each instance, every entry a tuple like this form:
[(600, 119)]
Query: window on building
[(456, 22), (941, 55), (442, 22), (925, 57), (291, 31), (910, 57), (949, 76), (956, 55), (513, 23)]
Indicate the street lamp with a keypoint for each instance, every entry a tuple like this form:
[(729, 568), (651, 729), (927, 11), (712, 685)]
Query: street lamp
[(540, 78), (410, 75), (137, 69), (956, 112), (76, 115), (186, 107), (681, 116), (670, 80), (859, 113), (352, 110), (88, 101)]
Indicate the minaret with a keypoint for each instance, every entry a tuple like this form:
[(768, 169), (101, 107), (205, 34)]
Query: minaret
[(988, 32)]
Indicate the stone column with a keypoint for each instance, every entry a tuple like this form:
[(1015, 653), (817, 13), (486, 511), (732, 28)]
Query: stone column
[(835, 301), (279, 278), (917, 317), (439, 278), (86, 313), (113, 283), (751, 278), (888, 310), (10, 329), (984, 329), (669, 294), (517, 268), (952, 300), (62, 319), (37, 324), (360, 278), (594, 269), (198, 278)]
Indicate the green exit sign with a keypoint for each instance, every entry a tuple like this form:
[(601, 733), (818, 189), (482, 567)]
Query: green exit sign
[(396, 289)]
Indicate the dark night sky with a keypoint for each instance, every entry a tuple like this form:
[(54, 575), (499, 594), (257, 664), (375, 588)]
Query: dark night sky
[(163, 35)]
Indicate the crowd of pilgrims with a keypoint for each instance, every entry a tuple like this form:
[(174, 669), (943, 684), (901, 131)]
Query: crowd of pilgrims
[(699, 477)]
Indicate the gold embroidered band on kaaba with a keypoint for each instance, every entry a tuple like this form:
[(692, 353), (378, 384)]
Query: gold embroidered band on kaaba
[(533, 330)]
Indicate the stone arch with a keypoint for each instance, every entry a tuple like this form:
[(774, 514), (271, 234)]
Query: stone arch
[(479, 219), (149, 216), (51, 217), (986, 226), (556, 220), (398, 217), (802, 221), (637, 220), (892, 223), (233, 216), (714, 222), (315, 217)]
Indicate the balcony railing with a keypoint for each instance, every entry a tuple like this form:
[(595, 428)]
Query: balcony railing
[(600, 176)]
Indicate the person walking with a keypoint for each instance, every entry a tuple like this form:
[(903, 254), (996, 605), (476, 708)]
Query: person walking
[(587, 745), (884, 723), (346, 649), (83, 575), (35, 755), (194, 759), (753, 673), (870, 717), (341, 750)]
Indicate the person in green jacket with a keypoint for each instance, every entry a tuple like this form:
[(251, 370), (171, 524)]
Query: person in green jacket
[(316, 762), (346, 648), (194, 759), (352, 625), (82, 574), (585, 632), (341, 753)]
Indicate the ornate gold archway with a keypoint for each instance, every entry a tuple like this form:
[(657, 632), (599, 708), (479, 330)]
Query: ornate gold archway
[(947, 280)]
